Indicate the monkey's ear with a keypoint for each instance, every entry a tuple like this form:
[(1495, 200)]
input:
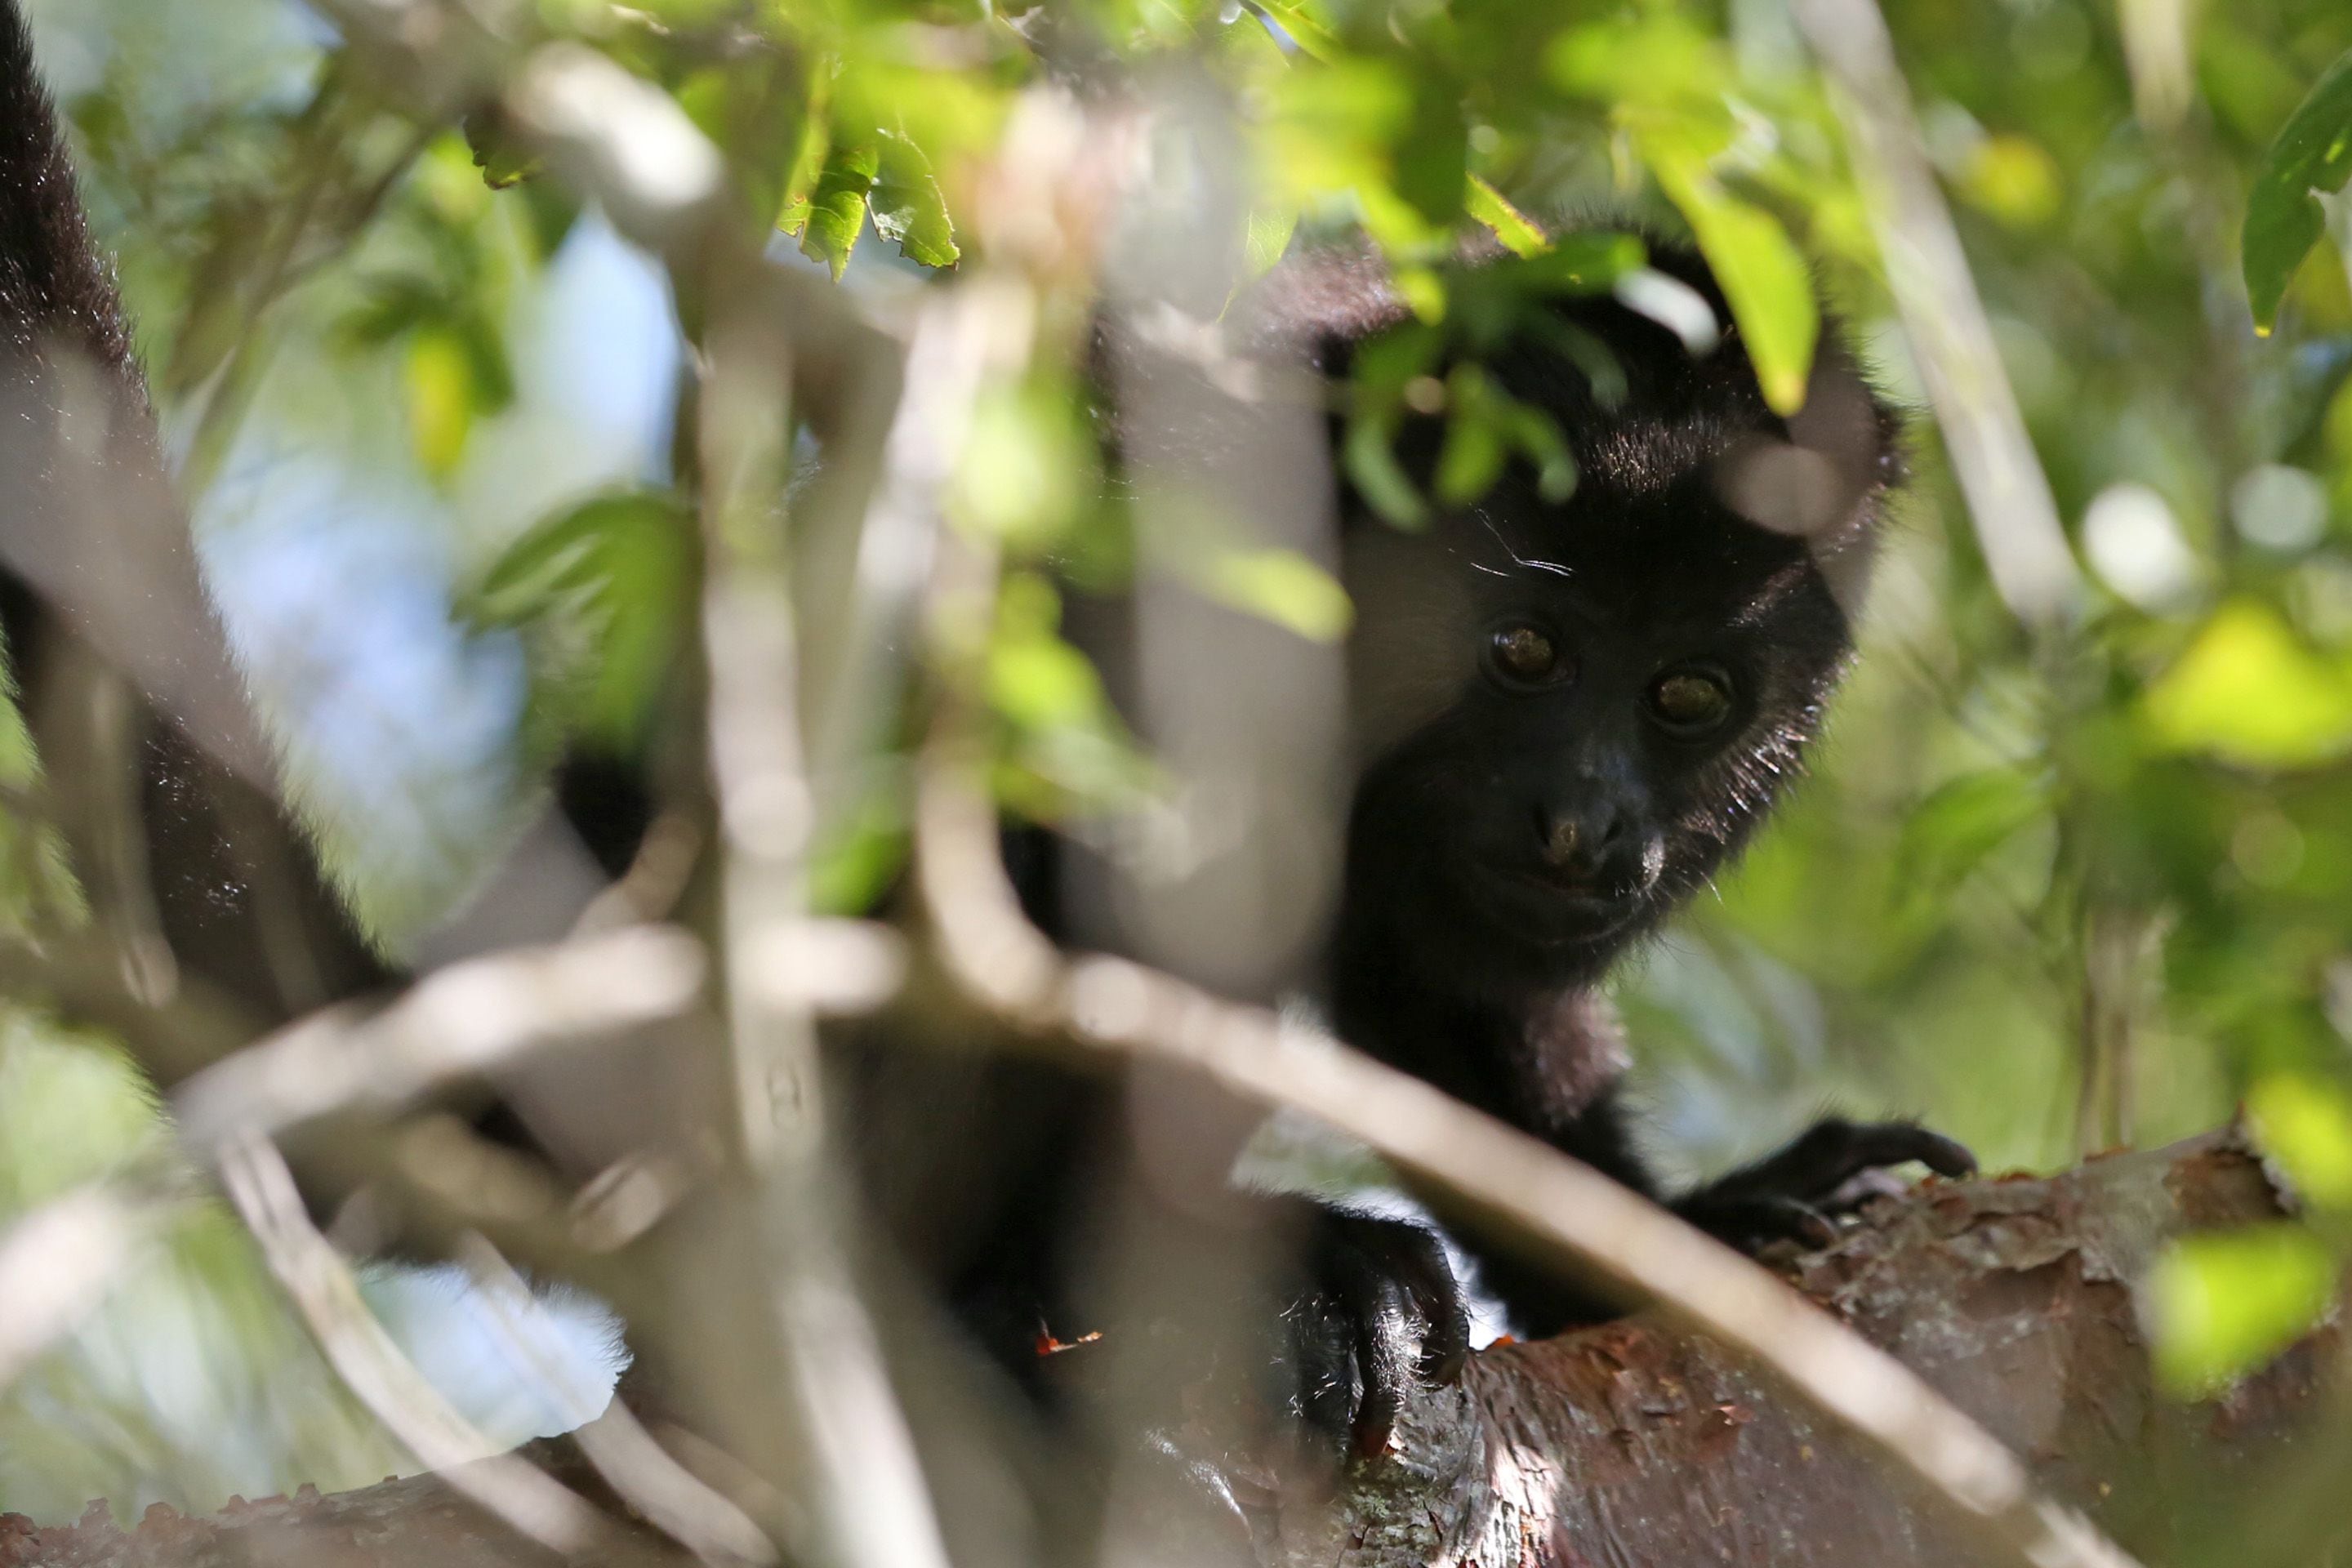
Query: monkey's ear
[(1825, 477)]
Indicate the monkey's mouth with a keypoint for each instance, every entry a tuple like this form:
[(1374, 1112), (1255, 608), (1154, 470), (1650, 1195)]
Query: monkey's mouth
[(1561, 908)]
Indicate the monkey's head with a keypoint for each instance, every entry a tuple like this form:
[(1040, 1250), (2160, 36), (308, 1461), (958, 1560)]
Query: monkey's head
[(1569, 713)]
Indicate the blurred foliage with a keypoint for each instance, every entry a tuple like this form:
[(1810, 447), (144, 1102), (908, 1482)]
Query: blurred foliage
[(2094, 888)]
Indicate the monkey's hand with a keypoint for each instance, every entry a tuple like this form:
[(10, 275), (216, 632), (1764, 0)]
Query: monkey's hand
[(1382, 1313), (1832, 1169)]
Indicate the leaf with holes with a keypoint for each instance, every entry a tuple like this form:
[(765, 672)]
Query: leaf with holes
[(908, 208)]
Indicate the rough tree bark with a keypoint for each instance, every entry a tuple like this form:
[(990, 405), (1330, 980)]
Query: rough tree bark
[(1636, 1445)]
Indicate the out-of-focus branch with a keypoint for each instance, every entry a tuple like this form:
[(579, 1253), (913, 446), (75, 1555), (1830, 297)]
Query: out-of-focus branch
[(456, 1021), (669, 1497), (323, 1289), (2009, 497), (58, 1262), (1556, 1205), (831, 1426)]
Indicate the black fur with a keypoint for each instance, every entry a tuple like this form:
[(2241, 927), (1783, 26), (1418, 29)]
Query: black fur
[(98, 584), (1509, 845)]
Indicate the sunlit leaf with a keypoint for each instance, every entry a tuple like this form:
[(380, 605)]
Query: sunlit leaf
[(1518, 232), (1068, 747), (2305, 1123), (908, 208), (2015, 179), (439, 380), (2311, 153), (1284, 587), (1763, 275), (1424, 292), (816, 140), (2225, 1302), (1297, 20), (1026, 466), (1654, 57), (1267, 237), (836, 207), (2248, 691)]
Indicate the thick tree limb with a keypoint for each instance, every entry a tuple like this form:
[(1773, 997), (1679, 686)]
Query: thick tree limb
[(1638, 1443)]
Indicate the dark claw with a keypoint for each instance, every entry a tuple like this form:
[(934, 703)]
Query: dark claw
[(1383, 1316), (1831, 1168)]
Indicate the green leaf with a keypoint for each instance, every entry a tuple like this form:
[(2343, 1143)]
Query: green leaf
[(1961, 824), (1762, 273), (837, 208), (1268, 236), (1284, 587), (1586, 263), (607, 586), (1518, 232), (853, 866), (2225, 1303), (1314, 39), (2305, 1123), (808, 163), (2311, 153), (1369, 455), (1539, 438), (1027, 465), (2248, 691), (908, 208), (1068, 746), (1471, 459), (1433, 155), (439, 379), (502, 163)]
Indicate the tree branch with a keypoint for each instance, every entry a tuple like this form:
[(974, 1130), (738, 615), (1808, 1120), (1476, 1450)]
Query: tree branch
[(1640, 1441)]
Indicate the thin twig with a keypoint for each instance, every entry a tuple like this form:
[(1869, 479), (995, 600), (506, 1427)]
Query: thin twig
[(2009, 497), (327, 1295), (856, 1465), (460, 1020), (672, 1499)]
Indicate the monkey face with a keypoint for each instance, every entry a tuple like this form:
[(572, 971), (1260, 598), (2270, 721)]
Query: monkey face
[(1568, 716)]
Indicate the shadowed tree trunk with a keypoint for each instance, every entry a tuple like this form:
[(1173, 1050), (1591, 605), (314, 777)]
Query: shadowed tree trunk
[(1636, 1444)]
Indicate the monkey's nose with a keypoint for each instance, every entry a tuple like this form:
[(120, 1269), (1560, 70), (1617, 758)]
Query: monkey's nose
[(1575, 839)]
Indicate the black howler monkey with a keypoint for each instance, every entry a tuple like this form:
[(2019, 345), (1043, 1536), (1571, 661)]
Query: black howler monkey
[(1568, 716)]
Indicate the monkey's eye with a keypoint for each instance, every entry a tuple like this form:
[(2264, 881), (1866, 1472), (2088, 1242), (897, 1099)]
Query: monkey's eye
[(1691, 702), (1521, 655)]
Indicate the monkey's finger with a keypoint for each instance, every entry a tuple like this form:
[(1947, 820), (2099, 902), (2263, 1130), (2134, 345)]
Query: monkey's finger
[(1752, 1221), (1384, 1329), (1445, 1338), (1870, 1144)]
